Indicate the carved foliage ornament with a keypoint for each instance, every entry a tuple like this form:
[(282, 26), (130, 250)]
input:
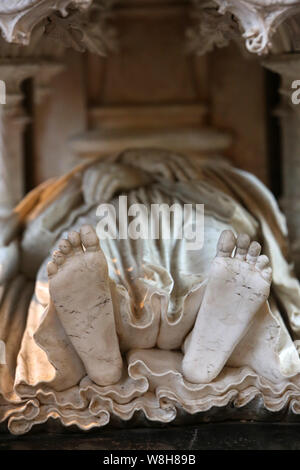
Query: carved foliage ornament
[(210, 30), (19, 17), (258, 20), (84, 31)]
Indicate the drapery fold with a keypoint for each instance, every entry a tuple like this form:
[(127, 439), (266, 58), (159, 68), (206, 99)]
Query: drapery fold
[(157, 288)]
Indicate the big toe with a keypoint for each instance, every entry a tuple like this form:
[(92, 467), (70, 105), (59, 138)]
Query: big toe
[(89, 238), (75, 241), (226, 243)]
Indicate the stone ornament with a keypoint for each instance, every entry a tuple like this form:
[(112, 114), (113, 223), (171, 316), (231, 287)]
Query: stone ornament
[(19, 17), (210, 29), (96, 331), (257, 20), (76, 26)]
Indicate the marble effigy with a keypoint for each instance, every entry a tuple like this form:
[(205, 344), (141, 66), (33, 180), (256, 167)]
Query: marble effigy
[(95, 331)]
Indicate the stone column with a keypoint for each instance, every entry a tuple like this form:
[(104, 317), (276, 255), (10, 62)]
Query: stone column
[(12, 124), (288, 66), (13, 119), (42, 83)]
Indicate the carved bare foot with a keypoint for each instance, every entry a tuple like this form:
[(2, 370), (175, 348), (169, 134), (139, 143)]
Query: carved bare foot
[(79, 288), (237, 288)]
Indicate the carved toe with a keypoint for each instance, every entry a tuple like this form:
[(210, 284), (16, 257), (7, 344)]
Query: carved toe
[(226, 243)]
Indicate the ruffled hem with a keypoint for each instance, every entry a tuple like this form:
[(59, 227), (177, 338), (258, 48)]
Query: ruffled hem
[(153, 384)]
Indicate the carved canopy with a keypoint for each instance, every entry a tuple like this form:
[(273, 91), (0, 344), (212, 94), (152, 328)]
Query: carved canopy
[(257, 19)]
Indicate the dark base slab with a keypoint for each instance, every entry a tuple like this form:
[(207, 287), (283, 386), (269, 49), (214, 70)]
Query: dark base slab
[(211, 436)]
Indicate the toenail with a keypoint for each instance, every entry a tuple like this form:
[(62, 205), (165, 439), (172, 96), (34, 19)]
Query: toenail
[(89, 236), (226, 241)]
